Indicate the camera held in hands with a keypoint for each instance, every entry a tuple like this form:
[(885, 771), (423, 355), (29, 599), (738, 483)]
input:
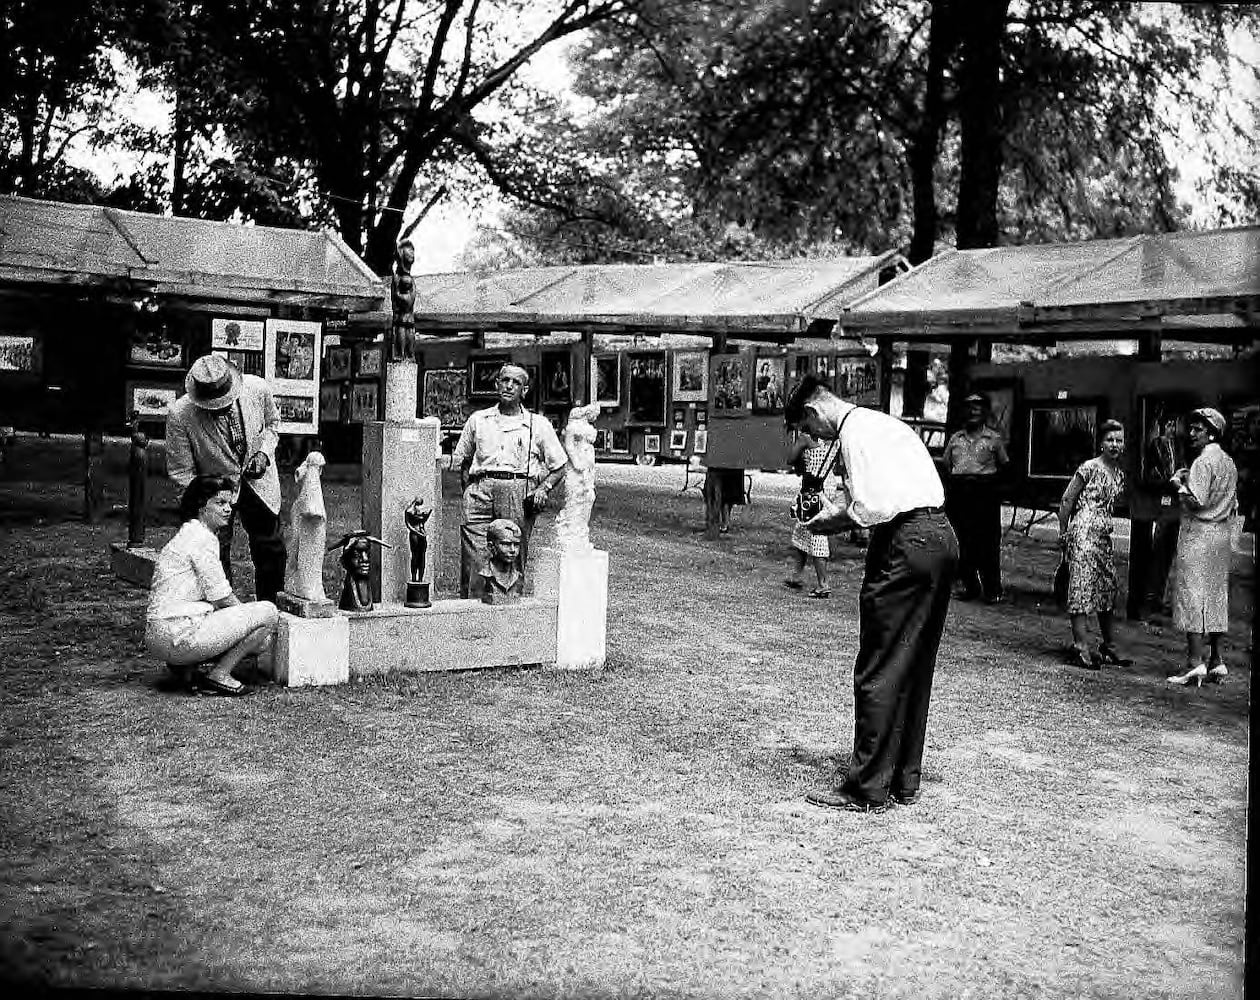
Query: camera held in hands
[(807, 505)]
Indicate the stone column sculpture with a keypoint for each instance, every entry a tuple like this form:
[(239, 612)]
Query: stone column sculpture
[(573, 523), (415, 518), (402, 339), (303, 593)]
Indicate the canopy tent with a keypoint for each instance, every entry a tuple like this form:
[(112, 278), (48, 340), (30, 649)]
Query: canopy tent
[(1196, 285), (770, 300), (55, 245)]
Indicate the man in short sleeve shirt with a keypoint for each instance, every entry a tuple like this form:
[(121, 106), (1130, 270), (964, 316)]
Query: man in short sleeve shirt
[(506, 456), (974, 456)]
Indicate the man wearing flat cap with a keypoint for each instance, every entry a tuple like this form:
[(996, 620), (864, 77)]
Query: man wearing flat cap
[(509, 460), (974, 456), (225, 425)]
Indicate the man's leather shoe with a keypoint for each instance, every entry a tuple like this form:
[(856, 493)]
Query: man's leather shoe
[(840, 799), (905, 798)]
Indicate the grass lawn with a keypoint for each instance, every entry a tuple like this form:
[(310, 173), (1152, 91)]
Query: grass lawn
[(636, 831)]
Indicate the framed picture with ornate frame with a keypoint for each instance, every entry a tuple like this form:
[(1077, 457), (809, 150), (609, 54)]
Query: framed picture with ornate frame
[(482, 371), (1061, 434), (445, 392), (606, 379), (150, 401), (557, 378), (729, 379), (646, 389), (691, 377)]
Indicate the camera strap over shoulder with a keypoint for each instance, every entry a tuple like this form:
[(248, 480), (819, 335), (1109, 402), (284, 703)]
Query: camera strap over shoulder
[(833, 453)]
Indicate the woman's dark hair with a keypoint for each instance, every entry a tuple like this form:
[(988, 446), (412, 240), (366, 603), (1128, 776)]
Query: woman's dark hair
[(198, 493), (794, 408), (1108, 426)]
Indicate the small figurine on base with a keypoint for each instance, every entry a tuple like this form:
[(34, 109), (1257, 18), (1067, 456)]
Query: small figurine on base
[(356, 560), (415, 517), (502, 582)]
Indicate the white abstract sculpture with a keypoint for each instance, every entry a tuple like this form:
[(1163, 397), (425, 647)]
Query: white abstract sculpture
[(573, 523), (308, 532)]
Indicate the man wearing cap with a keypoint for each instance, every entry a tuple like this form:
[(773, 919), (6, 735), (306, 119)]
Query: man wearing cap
[(893, 489), (974, 456), (225, 425), (506, 457)]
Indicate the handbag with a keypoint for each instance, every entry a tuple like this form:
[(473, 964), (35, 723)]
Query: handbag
[(1061, 583)]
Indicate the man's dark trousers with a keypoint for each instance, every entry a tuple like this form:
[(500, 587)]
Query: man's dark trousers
[(975, 510), (910, 567), (266, 544)]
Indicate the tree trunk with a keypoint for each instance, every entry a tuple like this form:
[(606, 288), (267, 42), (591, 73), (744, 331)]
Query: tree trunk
[(980, 120), (925, 141), (180, 140)]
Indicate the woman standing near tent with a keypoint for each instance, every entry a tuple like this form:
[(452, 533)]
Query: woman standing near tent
[(812, 458), (1208, 495), (1085, 521)]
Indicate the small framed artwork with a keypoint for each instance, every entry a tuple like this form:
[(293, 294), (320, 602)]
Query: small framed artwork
[(557, 377), (729, 378), (339, 359), (691, 377), (652, 444), (680, 415), (768, 385), (606, 379), (157, 350), (619, 441), (363, 402), (368, 359), (530, 399), (150, 401), (1061, 435), (444, 395), (601, 439), (700, 443), (702, 416), (295, 410), (857, 380), (21, 353), (330, 403), (646, 388), (482, 373), (248, 362), (291, 364), (677, 440), (237, 334)]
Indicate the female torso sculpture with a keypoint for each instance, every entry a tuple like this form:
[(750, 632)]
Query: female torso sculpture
[(573, 521)]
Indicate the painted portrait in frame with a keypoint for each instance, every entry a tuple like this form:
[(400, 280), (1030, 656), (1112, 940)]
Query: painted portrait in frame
[(691, 377)]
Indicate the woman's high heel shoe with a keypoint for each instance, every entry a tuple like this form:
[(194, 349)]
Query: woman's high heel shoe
[(1108, 654), (1084, 659), (1217, 674), (1193, 676)]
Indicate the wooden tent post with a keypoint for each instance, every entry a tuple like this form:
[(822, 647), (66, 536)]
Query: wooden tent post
[(93, 474), (1141, 531), (137, 484)]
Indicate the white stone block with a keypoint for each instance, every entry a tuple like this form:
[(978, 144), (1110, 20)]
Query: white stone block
[(582, 615), (312, 651)]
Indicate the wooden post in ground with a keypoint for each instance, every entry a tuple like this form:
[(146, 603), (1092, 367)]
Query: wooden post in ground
[(712, 503), (137, 483)]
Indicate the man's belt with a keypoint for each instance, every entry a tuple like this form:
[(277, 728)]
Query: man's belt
[(477, 476), (905, 515)]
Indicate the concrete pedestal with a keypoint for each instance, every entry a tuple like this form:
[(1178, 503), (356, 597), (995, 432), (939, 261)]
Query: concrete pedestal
[(133, 564), (400, 464), (451, 635), (577, 580), (311, 651)]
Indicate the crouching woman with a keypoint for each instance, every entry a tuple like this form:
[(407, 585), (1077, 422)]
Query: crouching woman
[(194, 621)]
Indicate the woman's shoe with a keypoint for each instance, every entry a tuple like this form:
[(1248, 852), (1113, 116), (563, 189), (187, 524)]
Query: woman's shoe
[(1217, 674), (1108, 654), (1194, 676), (1084, 659), (822, 592)]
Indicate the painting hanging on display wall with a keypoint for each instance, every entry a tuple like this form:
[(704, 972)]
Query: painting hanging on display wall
[(338, 362), (730, 378), (857, 380), (237, 334), (1061, 435), (151, 402), (445, 394), (20, 353), (768, 385), (646, 388), (330, 403), (557, 377), (691, 377), (1164, 443), (363, 402), (482, 373), (291, 366), (700, 443), (606, 379)]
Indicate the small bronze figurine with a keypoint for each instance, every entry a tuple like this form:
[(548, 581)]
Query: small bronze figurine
[(415, 517), (402, 341), (356, 560), (502, 582)]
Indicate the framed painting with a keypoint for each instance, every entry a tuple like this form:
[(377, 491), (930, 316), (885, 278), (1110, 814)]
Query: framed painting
[(651, 444), (151, 402), (1061, 435), (768, 384), (857, 380), (249, 362), (21, 353), (330, 403), (237, 334), (482, 373), (729, 378), (445, 391), (363, 402), (601, 439), (291, 364), (369, 359), (557, 377), (606, 379), (157, 350), (339, 359), (619, 441), (691, 377), (645, 388), (700, 442), (702, 416), (532, 394), (1164, 442), (677, 440)]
